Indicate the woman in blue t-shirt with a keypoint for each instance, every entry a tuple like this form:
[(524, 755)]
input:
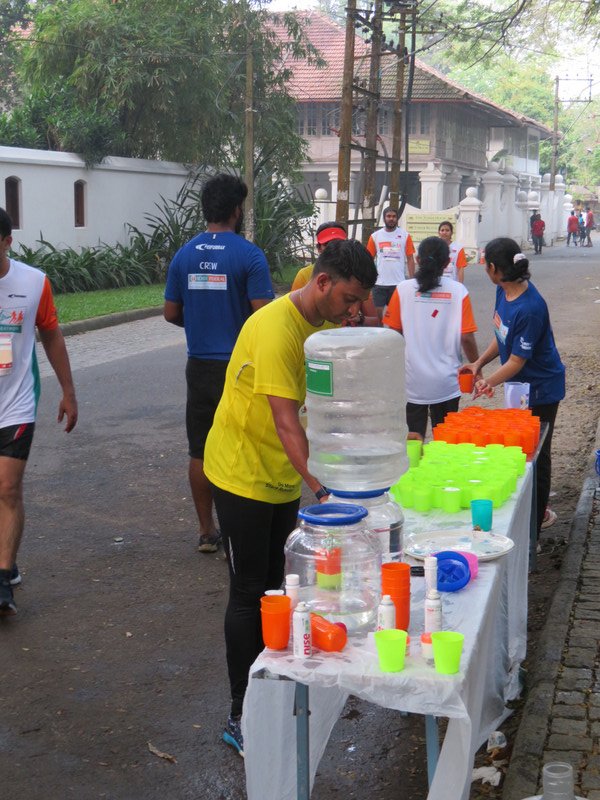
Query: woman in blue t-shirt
[(525, 343)]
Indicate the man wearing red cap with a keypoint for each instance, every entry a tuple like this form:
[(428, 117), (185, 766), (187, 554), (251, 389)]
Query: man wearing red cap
[(329, 232), (326, 232)]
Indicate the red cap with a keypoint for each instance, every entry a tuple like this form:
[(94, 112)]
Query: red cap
[(329, 234)]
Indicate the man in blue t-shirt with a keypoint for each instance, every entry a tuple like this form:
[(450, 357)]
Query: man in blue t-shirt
[(214, 284)]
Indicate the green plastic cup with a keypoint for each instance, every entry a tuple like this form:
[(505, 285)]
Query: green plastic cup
[(422, 498), (450, 499), (447, 650), (414, 450), (391, 649)]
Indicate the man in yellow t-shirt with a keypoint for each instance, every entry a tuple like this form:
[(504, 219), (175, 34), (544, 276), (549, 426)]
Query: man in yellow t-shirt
[(256, 452)]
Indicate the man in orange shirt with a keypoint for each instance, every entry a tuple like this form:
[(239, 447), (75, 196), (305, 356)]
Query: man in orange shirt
[(393, 251)]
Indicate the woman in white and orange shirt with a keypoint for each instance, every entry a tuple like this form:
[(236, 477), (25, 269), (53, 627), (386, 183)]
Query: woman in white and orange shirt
[(434, 315), (458, 258)]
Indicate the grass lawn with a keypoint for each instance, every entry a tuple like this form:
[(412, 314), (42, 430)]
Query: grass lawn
[(84, 305)]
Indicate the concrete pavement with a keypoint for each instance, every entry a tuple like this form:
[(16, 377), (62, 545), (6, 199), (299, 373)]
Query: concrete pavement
[(561, 717)]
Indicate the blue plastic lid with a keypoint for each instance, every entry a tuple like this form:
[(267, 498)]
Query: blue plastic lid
[(364, 495), (453, 572), (333, 514)]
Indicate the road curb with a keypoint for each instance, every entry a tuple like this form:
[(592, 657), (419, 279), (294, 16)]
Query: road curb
[(523, 774), (108, 320)]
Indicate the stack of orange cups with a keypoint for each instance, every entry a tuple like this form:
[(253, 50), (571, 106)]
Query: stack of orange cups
[(395, 581), (275, 613)]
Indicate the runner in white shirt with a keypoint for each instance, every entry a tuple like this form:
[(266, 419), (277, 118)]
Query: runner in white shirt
[(434, 315), (393, 251), (458, 258), (25, 304)]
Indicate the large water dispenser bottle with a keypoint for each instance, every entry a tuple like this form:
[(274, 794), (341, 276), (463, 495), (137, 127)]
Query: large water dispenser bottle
[(339, 564), (355, 403), (385, 520)]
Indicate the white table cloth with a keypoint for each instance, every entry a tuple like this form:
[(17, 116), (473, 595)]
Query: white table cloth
[(492, 613)]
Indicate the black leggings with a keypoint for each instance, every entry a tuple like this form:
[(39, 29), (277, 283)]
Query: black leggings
[(254, 534), (416, 414), (546, 413)]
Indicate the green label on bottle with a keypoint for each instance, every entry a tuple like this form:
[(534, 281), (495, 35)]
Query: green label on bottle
[(319, 377)]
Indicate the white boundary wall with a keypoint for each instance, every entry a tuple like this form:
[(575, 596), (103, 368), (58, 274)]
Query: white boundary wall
[(117, 192)]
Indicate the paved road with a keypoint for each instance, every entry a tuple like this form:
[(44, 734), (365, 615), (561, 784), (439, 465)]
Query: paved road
[(118, 644)]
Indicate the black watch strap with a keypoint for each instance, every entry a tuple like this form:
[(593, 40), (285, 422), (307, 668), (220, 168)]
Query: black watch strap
[(321, 493)]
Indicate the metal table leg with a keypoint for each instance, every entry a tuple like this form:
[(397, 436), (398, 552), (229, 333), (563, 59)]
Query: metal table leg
[(432, 742), (301, 712)]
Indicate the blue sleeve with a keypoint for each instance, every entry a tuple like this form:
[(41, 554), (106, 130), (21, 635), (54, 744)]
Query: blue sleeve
[(527, 331), (259, 286), (173, 289)]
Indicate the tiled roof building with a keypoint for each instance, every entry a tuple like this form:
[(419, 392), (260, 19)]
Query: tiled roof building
[(455, 130)]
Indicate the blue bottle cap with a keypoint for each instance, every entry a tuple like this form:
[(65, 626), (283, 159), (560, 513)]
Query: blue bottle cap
[(333, 514), (453, 571)]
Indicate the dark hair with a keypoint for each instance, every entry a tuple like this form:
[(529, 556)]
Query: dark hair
[(220, 197), (326, 225), (389, 208), (344, 259), (501, 253), (448, 223), (5, 224), (434, 254)]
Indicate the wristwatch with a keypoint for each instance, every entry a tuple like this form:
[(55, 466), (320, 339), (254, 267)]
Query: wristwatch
[(321, 493)]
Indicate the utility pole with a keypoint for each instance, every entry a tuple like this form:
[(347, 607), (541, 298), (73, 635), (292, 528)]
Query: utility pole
[(249, 130), (397, 129), (345, 152), (554, 137), (368, 216)]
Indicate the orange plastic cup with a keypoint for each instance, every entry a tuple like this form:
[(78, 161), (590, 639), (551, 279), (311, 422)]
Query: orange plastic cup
[(513, 437), (275, 615), (466, 382), (395, 573), (402, 603)]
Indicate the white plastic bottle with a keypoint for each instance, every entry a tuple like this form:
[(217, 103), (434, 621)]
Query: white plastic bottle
[(386, 614), (431, 566), (302, 638), (433, 612), (292, 588)]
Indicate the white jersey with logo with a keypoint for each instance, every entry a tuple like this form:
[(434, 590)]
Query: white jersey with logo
[(432, 324), (25, 301), (451, 271), (390, 255)]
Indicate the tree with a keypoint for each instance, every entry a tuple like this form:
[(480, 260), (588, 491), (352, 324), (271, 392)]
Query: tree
[(150, 79), (14, 19)]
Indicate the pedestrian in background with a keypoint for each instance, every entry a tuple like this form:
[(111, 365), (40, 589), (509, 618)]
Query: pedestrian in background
[(538, 226), (589, 226), (393, 250), (458, 259), (572, 228), (215, 282), (26, 303), (524, 341)]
